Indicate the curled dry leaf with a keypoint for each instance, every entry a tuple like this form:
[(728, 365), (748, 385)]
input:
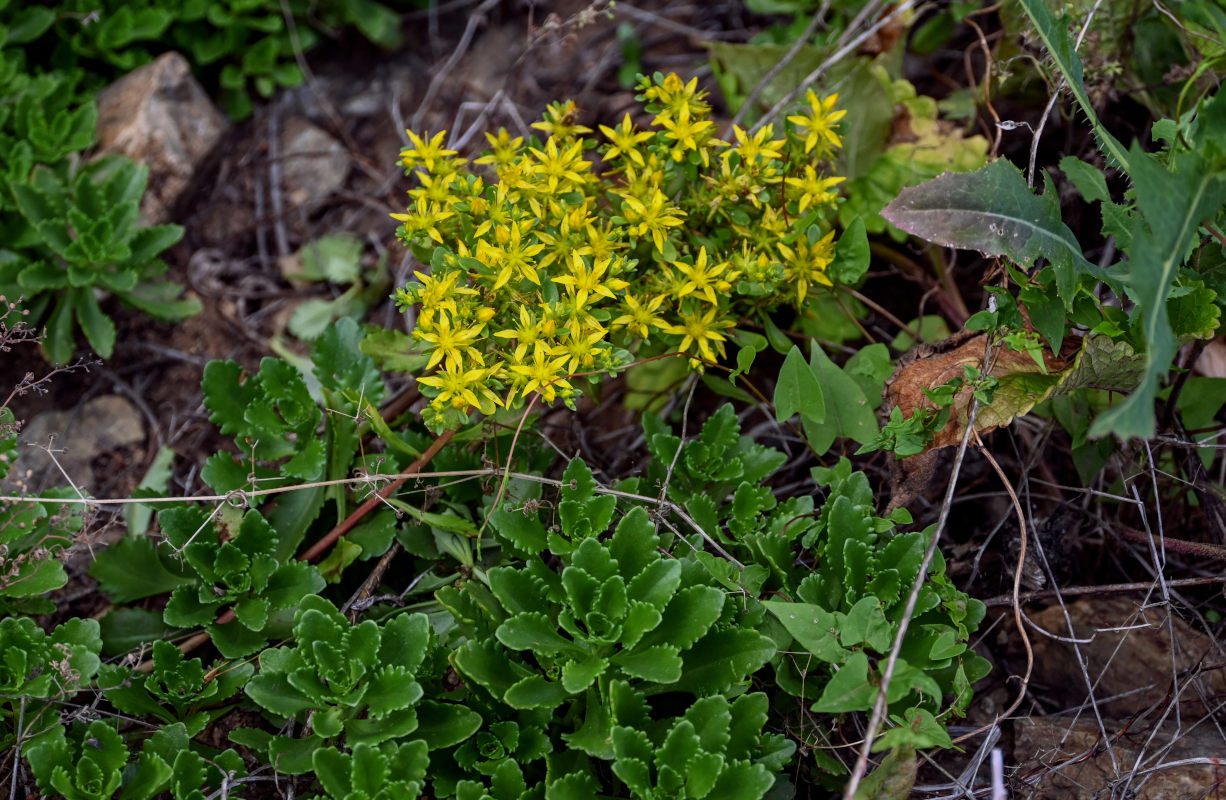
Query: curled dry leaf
[(930, 366), (1096, 362)]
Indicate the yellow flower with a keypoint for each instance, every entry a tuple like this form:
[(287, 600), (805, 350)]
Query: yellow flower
[(703, 281), (818, 124), (510, 256), (449, 344), (755, 146), (654, 217), (498, 212), (528, 333), (503, 149), (435, 188), (425, 151), (805, 264), (584, 280), (559, 121), (814, 191), (641, 182), (675, 95), (701, 332), (434, 294), (560, 168), (602, 242), (544, 374), (641, 318), (581, 348), (687, 133), (625, 141), (423, 217), (462, 388)]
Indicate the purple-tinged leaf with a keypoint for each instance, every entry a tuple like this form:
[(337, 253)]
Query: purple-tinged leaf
[(992, 210)]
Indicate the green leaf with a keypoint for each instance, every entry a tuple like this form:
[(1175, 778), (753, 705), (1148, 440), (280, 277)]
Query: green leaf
[(132, 568), (742, 780), (848, 412), (486, 664), (580, 674), (1088, 179), (869, 367), (724, 658), (851, 256), (335, 258), (156, 481), (917, 729), (127, 629), (659, 663), (394, 351), (98, 328), (1194, 314), (535, 691), (849, 688), (41, 276), (536, 632), (341, 366), (29, 24), (1173, 203), (632, 754), (993, 211), (146, 243), (866, 624), (798, 390), (59, 343), (814, 628), (35, 578), (1059, 43), (893, 779), (445, 724), (688, 616)]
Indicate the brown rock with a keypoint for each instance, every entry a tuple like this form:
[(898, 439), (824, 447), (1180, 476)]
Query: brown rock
[(160, 116), (1130, 657), (1062, 758)]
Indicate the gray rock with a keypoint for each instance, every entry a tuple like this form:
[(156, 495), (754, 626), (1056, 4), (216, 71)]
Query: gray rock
[(76, 437), (313, 163)]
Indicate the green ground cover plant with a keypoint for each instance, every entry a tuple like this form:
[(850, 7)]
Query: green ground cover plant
[(385, 592), (70, 227)]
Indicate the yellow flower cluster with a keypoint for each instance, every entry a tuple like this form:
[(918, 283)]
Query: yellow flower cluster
[(547, 265)]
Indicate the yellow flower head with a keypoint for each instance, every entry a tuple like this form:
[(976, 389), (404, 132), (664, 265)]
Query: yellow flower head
[(625, 142), (424, 217), (751, 147), (703, 280), (426, 152), (461, 388), (545, 373), (559, 121), (562, 169), (700, 336), (450, 344), (652, 218), (818, 125), (584, 280), (814, 191), (503, 149), (641, 317), (806, 263)]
